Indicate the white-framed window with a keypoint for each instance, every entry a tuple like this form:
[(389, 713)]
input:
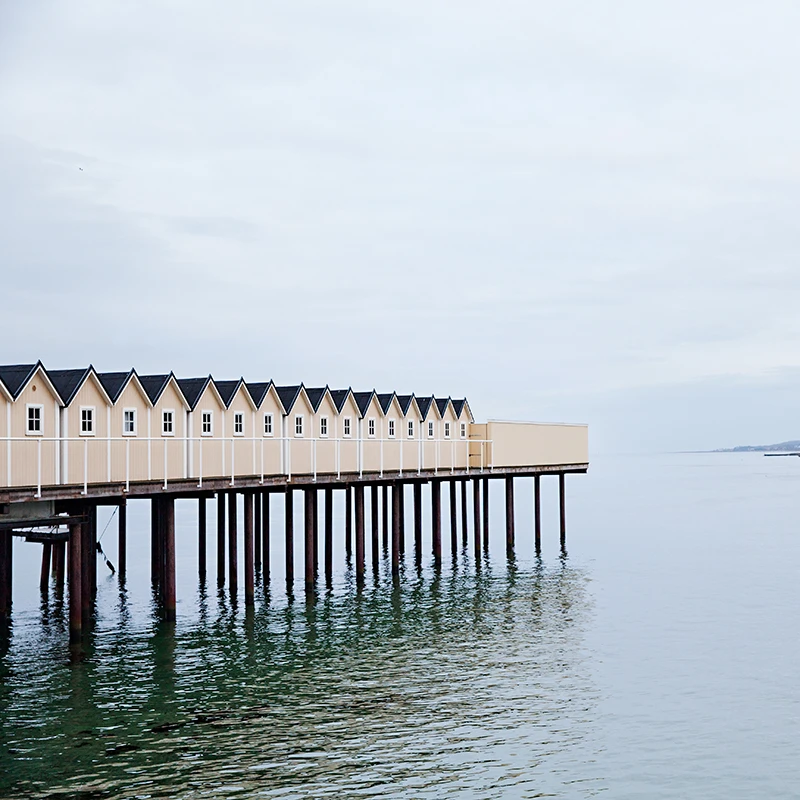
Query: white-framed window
[(447, 430), (323, 426), (129, 422), (347, 424), (87, 420), (168, 422), (371, 427), (430, 430), (391, 429), (35, 417), (267, 424), (207, 423), (238, 423), (463, 430), (411, 429), (298, 425)]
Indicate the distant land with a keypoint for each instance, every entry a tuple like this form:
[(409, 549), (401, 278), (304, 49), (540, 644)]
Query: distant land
[(781, 447)]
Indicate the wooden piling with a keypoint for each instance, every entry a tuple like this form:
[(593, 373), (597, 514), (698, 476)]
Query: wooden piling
[(201, 538), (59, 564), (257, 528), (265, 530), (233, 544), (375, 521), (168, 535), (122, 538), (359, 502), (562, 498), (385, 515), (464, 515), (221, 538), (397, 487), (93, 543), (485, 500), (453, 520), (348, 521), (154, 548), (401, 508), (75, 589), (315, 529), (476, 517), (509, 514), (436, 520), (309, 539), (328, 536), (86, 574), (44, 575), (6, 558), (537, 514), (289, 536), (417, 522), (249, 550)]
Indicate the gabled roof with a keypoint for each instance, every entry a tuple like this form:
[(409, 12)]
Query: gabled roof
[(227, 390), (424, 403), (258, 391), (154, 385), (385, 400), (193, 389), (339, 397), (288, 396), (405, 402), (458, 406), (315, 396), (114, 383), (68, 381), (363, 400), (15, 376), (441, 405)]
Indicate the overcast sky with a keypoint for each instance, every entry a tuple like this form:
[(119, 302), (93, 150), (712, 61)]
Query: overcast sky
[(566, 210)]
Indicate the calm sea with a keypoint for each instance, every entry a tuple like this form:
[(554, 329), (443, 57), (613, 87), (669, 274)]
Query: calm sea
[(658, 658)]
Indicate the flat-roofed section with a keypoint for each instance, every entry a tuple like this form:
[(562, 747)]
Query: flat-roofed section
[(528, 444)]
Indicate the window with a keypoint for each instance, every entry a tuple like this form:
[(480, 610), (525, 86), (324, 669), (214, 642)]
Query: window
[(168, 422), (411, 429), (323, 426), (463, 430), (298, 425), (447, 430), (207, 423), (391, 429), (87, 421), (238, 423), (430, 430), (128, 421), (347, 426), (35, 420), (267, 424), (371, 427)]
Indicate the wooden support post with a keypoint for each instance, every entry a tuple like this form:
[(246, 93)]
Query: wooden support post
[(401, 503), (233, 544), (464, 515), (436, 520), (75, 590), (509, 515), (359, 501), (289, 533), (59, 559), (257, 528), (328, 536), (397, 487), (348, 521), (265, 523), (417, 522), (485, 515), (44, 575), (315, 529), (221, 538), (122, 538), (93, 542), (476, 517), (375, 520), (6, 559), (249, 551), (385, 516), (453, 520), (562, 497), (202, 526), (168, 534), (309, 539), (154, 548), (86, 574), (537, 514)]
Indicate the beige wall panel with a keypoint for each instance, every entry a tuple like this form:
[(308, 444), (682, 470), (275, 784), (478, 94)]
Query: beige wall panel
[(206, 451), (479, 453), (129, 457), (169, 447), (5, 443), (517, 444), (25, 453), (88, 456), (348, 455)]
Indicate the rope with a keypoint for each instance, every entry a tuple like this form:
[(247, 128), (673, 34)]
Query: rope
[(116, 508), (100, 549)]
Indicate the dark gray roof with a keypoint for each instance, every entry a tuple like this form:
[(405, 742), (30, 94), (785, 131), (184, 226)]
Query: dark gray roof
[(441, 404), (15, 376), (458, 406), (193, 389), (114, 383), (339, 397), (424, 404), (362, 400), (315, 396), (68, 381), (385, 401), (405, 402), (288, 395), (154, 385), (258, 391), (227, 389)]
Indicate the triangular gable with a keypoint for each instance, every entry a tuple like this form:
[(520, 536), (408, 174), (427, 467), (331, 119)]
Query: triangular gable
[(16, 377), (154, 386), (114, 382), (194, 388), (288, 396), (462, 409), (388, 402), (315, 396), (68, 382), (339, 397), (442, 404), (424, 404), (409, 406), (259, 391), (362, 400), (133, 379)]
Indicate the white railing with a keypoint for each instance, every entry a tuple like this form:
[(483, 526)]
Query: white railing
[(80, 461)]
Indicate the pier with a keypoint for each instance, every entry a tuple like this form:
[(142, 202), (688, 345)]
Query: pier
[(74, 440)]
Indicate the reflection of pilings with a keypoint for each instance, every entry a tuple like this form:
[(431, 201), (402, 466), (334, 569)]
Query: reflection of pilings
[(375, 522), (436, 520), (201, 538), (348, 521), (167, 516), (537, 514), (509, 514), (396, 489), (359, 501), (289, 535), (75, 590), (233, 552), (220, 538), (328, 536), (476, 516), (6, 574), (453, 520), (249, 558), (464, 524), (417, 522), (562, 497), (44, 575), (265, 528), (122, 538)]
